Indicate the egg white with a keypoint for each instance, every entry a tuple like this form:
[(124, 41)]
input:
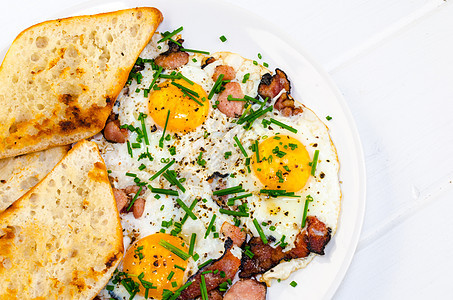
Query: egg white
[(215, 137)]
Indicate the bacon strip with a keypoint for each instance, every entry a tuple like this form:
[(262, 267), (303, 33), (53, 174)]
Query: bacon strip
[(249, 289), (313, 238), (228, 263), (236, 234)]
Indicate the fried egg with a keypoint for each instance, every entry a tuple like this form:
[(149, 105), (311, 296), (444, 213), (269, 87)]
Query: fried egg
[(205, 151)]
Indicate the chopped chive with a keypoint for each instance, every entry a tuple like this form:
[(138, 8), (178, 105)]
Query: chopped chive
[(206, 272), (129, 149), (135, 198), (265, 64), (169, 35), (278, 193), (145, 133), (216, 235), (240, 145), (170, 275), (216, 84), (222, 274), (328, 118), (131, 174), (314, 162), (178, 291), (304, 217), (173, 249), (109, 287), (164, 191), (135, 145), (230, 98), (205, 264), (249, 253), (162, 170), (227, 154), (179, 267), (192, 206), (172, 179), (142, 167), (223, 38), (194, 51), (272, 228), (192, 243), (260, 231), (185, 89), (208, 230), (293, 283), (196, 257), (257, 152), (240, 197), (186, 209), (246, 77), (191, 97), (174, 284), (282, 125), (203, 289), (233, 213), (231, 190), (161, 141), (253, 100)]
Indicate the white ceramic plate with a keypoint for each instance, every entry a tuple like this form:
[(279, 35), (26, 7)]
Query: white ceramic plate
[(204, 22)]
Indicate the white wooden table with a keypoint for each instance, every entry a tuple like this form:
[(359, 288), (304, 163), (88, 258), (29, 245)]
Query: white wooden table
[(393, 62)]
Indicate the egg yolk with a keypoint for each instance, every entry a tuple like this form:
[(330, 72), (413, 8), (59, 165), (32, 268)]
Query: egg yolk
[(284, 163), (156, 263), (185, 113)]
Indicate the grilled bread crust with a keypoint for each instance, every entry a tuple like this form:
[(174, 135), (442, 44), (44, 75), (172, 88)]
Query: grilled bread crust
[(63, 238), (60, 78)]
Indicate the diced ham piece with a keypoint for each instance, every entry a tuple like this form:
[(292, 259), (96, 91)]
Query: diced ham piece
[(249, 289), (231, 108), (121, 198), (138, 207), (236, 234), (172, 58), (113, 132), (228, 72)]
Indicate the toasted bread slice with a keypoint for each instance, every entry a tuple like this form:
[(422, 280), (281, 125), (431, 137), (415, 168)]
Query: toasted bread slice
[(63, 238), (21, 173), (59, 79)]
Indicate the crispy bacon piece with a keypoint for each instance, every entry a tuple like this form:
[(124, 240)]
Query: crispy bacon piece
[(313, 238), (228, 263), (249, 289), (208, 61), (236, 234), (113, 132), (172, 58), (121, 198), (318, 235), (231, 108), (215, 295), (138, 207), (270, 86), (228, 72), (285, 104), (264, 259)]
